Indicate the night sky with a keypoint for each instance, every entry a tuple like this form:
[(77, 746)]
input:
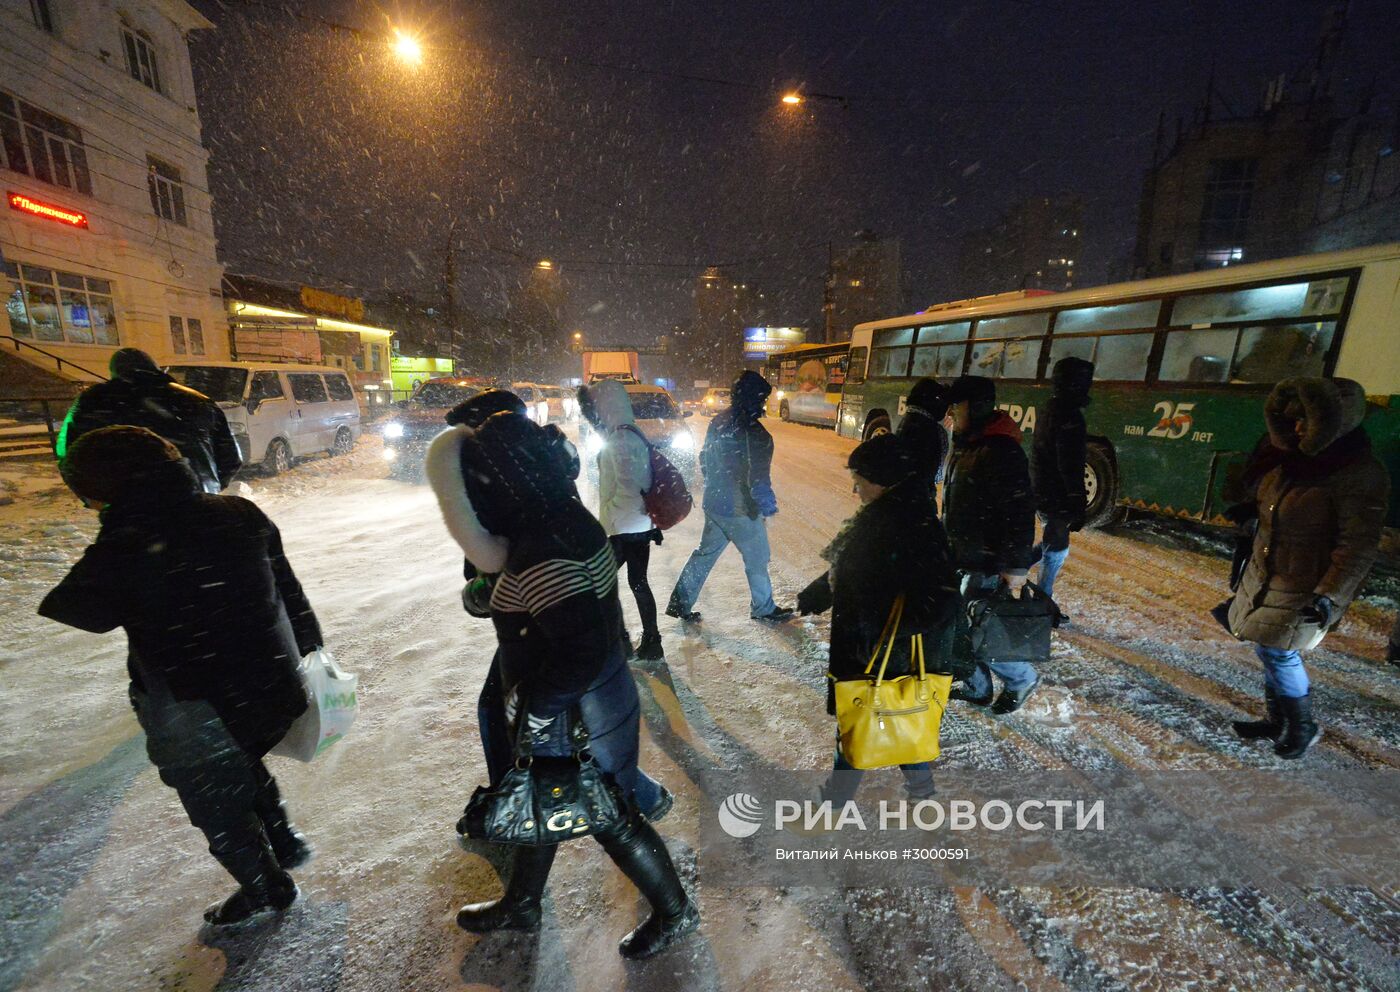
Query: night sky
[(334, 164)]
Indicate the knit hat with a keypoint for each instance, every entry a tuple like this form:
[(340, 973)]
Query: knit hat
[(979, 391), (884, 460), (749, 392), (472, 413), (112, 463), (929, 397)]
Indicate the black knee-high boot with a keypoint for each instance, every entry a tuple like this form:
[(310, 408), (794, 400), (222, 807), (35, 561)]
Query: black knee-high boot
[(289, 844), (641, 854), (263, 885), (519, 908), (1269, 727)]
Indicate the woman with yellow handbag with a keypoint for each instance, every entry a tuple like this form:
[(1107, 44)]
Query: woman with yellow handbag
[(893, 596)]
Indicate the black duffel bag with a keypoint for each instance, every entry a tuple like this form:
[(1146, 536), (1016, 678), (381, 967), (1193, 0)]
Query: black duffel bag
[(545, 800), (1006, 628)]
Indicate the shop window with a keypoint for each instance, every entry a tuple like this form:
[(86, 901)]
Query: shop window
[(41, 145), (60, 307), (141, 58), (186, 336), (167, 190), (376, 358)]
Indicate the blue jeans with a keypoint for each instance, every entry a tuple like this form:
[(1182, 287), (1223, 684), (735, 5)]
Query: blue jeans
[(1050, 564), (751, 538), (1283, 671), (1017, 675), (1054, 544), (844, 782)]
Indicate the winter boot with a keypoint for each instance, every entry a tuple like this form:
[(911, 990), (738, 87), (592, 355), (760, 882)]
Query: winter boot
[(779, 614), (675, 609), (1270, 727), (288, 843), (1299, 731), (650, 648), (641, 854), (1011, 701), (263, 886), (519, 908), (961, 690), (663, 806)]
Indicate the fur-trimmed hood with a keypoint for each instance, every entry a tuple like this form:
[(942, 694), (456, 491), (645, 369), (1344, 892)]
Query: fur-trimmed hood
[(443, 466), (1329, 409)]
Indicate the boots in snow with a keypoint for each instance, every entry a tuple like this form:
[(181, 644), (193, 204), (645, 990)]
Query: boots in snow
[(650, 648), (519, 908), (263, 886), (1299, 731), (289, 844), (675, 609), (1269, 727), (641, 854), (779, 614), (663, 806), (963, 692), (1011, 701)]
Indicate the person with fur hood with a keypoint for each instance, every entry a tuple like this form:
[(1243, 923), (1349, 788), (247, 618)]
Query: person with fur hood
[(510, 504), (1321, 510), (624, 475)]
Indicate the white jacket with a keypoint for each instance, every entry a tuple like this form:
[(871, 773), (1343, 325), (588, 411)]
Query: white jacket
[(624, 464)]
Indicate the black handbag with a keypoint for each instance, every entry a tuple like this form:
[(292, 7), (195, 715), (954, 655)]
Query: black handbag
[(1005, 628), (544, 800)]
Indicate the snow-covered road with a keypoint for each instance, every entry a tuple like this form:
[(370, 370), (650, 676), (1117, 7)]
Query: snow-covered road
[(102, 880)]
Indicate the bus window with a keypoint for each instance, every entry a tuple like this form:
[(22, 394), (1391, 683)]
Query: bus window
[(1073, 348), (889, 352), (1318, 298), (938, 361), (1021, 359), (1268, 354), (1118, 317), (855, 371), (1123, 357), (1019, 326), (1198, 356), (939, 333)]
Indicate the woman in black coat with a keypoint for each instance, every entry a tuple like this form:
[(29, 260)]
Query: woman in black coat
[(894, 544), (559, 626), (217, 624)]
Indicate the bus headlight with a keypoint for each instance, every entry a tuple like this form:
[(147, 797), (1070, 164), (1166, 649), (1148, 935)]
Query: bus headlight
[(393, 430), (683, 441)]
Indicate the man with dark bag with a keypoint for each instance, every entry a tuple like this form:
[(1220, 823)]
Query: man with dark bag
[(1057, 464), (989, 514)]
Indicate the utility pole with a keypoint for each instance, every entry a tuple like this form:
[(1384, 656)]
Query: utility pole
[(449, 309)]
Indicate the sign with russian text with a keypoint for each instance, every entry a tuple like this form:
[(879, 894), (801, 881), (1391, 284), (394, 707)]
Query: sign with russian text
[(48, 211)]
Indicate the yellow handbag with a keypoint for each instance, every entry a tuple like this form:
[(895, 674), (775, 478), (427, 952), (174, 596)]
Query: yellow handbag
[(896, 722)]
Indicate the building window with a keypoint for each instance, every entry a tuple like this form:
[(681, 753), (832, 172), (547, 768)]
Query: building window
[(42, 145), (1225, 207), (141, 58), (186, 336), (166, 189), (43, 20), (61, 307)]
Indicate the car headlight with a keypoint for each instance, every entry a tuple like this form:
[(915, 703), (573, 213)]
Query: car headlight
[(594, 444), (683, 441), (393, 430)]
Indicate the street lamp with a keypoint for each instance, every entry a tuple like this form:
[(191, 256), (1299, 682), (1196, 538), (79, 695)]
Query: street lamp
[(792, 99), (544, 264), (407, 47)]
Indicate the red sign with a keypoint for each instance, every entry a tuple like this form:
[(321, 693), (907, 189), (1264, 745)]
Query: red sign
[(37, 208)]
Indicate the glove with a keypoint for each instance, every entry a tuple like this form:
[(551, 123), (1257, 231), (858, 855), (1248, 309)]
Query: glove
[(1322, 612)]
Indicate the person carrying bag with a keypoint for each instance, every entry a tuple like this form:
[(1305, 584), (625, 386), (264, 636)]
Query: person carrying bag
[(1004, 627), (893, 597)]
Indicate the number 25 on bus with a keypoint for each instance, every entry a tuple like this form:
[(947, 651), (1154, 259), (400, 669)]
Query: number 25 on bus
[(1182, 366)]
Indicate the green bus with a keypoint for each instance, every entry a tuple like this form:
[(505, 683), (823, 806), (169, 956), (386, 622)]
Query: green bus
[(1182, 367)]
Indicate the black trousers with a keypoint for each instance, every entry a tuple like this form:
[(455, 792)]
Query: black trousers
[(634, 552)]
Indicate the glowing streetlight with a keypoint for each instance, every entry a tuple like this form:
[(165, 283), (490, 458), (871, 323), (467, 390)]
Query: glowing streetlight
[(544, 264), (407, 47), (792, 99), (578, 335)]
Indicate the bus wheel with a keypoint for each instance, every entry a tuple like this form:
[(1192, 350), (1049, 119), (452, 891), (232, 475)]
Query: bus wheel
[(783, 414), (1101, 489), (876, 426)]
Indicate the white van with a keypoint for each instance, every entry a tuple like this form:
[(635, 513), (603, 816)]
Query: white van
[(279, 413)]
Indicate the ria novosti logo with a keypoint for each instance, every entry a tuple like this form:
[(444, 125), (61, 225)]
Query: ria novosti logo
[(740, 815)]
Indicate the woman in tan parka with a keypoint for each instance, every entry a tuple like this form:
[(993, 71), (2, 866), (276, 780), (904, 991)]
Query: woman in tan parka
[(1321, 509)]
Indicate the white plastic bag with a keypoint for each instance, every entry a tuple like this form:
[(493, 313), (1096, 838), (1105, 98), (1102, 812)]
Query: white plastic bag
[(331, 708)]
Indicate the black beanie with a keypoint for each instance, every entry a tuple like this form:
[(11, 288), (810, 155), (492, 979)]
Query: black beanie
[(884, 460), (111, 463), (979, 391), (128, 363), (473, 412), (514, 473), (928, 397)]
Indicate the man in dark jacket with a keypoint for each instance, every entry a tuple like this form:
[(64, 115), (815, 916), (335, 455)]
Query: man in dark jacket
[(216, 624), (893, 545), (735, 459), (1057, 464), (140, 395), (989, 512), (922, 430)]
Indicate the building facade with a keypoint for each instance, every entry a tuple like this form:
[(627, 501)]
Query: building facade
[(864, 282), (1034, 245), (106, 230)]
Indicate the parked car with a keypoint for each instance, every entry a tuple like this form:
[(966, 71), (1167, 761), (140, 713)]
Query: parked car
[(661, 422), (563, 404), (278, 413), (417, 420), (715, 400), (535, 399)]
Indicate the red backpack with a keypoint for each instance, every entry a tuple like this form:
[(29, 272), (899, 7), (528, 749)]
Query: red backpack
[(668, 501)]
